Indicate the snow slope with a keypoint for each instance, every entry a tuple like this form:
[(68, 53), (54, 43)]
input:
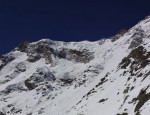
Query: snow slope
[(105, 77)]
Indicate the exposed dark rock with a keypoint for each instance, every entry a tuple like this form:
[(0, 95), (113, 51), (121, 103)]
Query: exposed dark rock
[(142, 98), (132, 88), (137, 38), (94, 69), (147, 17), (140, 59), (13, 87), (103, 100), (124, 101), (139, 53), (44, 51), (138, 113), (79, 56), (42, 76), (122, 31), (67, 81), (103, 80), (38, 51), (89, 93), (5, 59), (29, 84), (41, 111), (45, 73), (125, 62), (15, 110), (1, 113), (23, 46), (21, 67), (102, 41), (80, 82), (10, 105), (11, 76), (126, 90), (146, 75), (33, 58), (118, 35), (141, 74), (122, 114)]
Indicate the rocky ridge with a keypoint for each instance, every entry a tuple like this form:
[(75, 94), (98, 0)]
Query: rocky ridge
[(109, 77)]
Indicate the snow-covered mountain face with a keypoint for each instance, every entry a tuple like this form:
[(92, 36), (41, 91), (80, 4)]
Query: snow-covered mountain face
[(106, 77)]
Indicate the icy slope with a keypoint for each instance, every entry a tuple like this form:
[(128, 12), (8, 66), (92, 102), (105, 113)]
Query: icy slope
[(106, 77)]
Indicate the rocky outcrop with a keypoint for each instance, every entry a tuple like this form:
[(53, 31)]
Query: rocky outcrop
[(2, 113), (137, 38), (23, 46), (118, 35), (136, 60), (78, 56), (5, 59), (45, 50), (43, 76), (38, 51)]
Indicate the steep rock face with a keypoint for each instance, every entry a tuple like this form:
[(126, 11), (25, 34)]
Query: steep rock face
[(105, 77), (137, 59), (4, 60), (78, 56), (47, 50), (137, 38), (118, 35), (42, 77)]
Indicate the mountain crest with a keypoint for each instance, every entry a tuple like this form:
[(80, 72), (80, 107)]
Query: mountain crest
[(105, 77)]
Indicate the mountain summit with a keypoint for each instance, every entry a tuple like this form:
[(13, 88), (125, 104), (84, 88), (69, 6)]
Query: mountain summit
[(106, 77)]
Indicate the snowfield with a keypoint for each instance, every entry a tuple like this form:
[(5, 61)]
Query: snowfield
[(106, 77)]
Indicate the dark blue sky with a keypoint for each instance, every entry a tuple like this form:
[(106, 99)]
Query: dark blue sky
[(66, 20)]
